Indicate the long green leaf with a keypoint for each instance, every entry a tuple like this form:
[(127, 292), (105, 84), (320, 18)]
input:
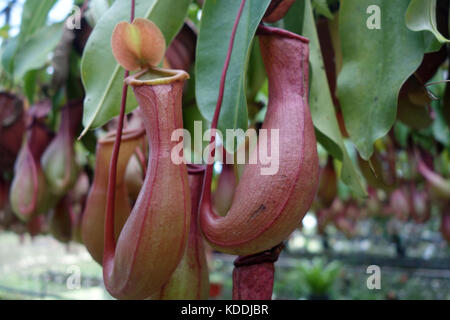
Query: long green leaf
[(300, 19), (421, 16), (256, 73), (33, 54), (9, 52), (102, 76), (375, 65), (218, 17), (34, 16)]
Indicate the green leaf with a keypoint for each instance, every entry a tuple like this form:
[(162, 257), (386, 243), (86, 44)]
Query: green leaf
[(191, 114), (440, 129), (102, 76), (421, 16), (34, 53), (4, 31), (97, 9), (321, 6), (431, 43), (375, 65), (8, 55), (215, 29), (74, 88), (34, 16), (300, 19), (29, 85), (256, 73), (401, 133)]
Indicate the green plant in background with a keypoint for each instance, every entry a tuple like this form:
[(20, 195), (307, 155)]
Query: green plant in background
[(319, 277)]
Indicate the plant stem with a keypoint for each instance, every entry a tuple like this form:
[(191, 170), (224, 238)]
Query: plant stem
[(110, 243), (253, 276), (209, 168)]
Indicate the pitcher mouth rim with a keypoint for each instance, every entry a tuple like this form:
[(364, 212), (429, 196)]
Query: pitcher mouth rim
[(168, 76)]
